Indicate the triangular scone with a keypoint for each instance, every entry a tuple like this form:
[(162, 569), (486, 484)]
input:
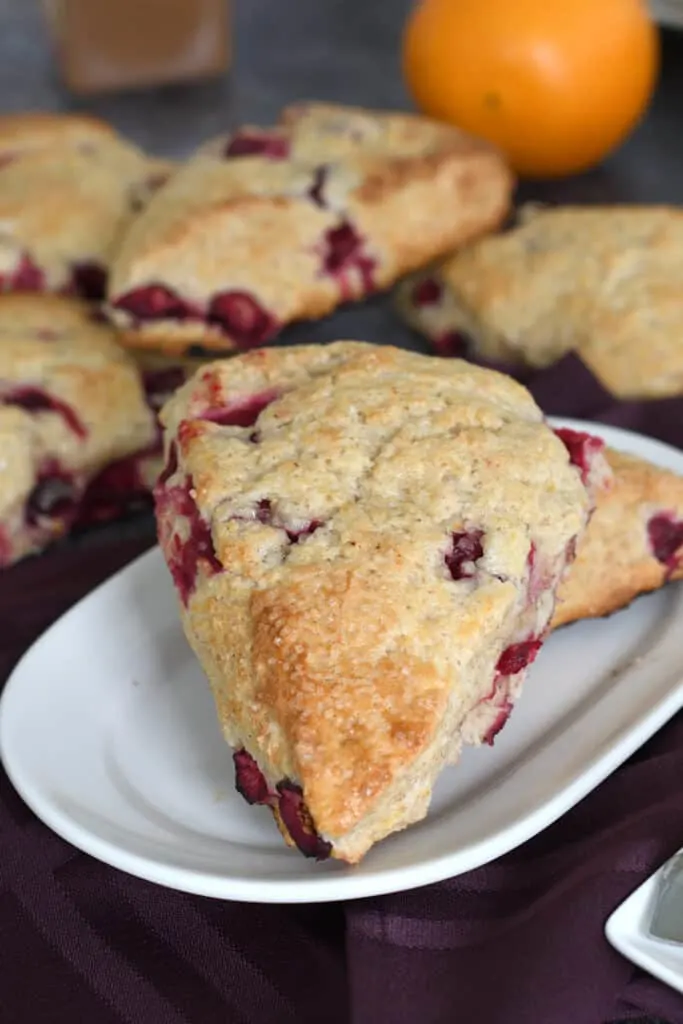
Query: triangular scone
[(284, 223), (634, 542), (366, 544), (604, 281), (70, 187)]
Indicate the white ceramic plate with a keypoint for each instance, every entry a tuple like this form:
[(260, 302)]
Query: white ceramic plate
[(108, 732), (628, 931)]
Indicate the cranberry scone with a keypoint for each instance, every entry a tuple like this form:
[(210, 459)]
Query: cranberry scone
[(604, 281), (273, 225), (634, 542), (71, 403), (366, 545), (126, 485), (69, 188)]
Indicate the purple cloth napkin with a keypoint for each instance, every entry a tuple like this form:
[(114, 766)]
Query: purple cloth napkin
[(519, 941)]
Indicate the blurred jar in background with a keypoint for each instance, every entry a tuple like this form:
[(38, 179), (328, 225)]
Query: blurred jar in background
[(107, 45)]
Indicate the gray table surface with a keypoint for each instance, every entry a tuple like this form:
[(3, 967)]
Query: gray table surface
[(337, 50)]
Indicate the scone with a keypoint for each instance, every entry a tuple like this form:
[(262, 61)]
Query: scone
[(366, 545), (273, 225), (126, 485), (604, 281), (71, 402), (633, 544), (69, 187)]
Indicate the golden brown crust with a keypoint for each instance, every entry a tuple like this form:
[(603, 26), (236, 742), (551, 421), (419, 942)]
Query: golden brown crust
[(69, 187), (39, 130), (410, 188), (604, 281), (341, 651), (51, 348), (615, 561)]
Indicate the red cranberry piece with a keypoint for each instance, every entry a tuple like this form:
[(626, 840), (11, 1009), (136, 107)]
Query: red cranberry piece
[(427, 292), (89, 280), (297, 820), (498, 700), (36, 400), (665, 533), (160, 384), (274, 147), (499, 722), (466, 549), (240, 316), (155, 302), (264, 514), (344, 252), (241, 412), (538, 576), (305, 531), (582, 449), (54, 496), (249, 779), (451, 344), (27, 277), (118, 489), (316, 190), (517, 656), (119, 478), (343, 246), (185, 555), (171, 466)]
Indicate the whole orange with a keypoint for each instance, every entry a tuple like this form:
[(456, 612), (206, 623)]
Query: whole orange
[(556, 84)]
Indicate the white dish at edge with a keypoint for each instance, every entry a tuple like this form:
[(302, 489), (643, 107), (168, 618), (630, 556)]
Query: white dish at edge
[(627, 929), (108, 732)]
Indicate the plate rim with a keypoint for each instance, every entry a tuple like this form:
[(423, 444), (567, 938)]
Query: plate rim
[(633, 943), (331, 887)]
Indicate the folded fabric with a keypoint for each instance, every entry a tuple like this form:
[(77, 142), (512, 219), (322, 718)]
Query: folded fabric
[(518, 941)]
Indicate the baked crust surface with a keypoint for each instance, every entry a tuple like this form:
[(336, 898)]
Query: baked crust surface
[(71, 402), (604, 281), (338, 202), (621, 554), (69, 188), (351, 642)]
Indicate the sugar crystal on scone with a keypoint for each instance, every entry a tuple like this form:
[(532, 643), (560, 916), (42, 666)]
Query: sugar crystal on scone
[(366, 545)]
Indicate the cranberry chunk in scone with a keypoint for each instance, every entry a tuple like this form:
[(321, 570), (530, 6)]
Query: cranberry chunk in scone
[(634, 542), (285, 800), (71, 405), (275, 225), (363, 568), (65, 201), (665, 533)]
